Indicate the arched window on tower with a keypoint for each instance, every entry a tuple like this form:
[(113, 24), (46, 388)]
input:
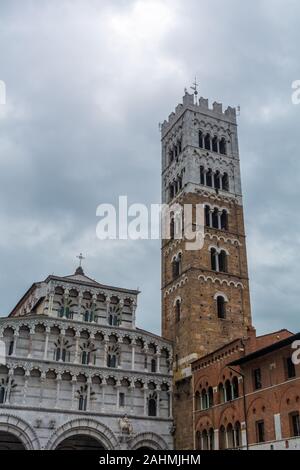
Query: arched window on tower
[(224, 220), (213, 258), (223, 261), (172, 227), (222, 146), (215, 218), (225, 182), (177, 261), (177, 311), (207, 216), (221, 307), (215, 144), (201, 139), (209, 177), (217, 180), (202, 175), (207, 142)]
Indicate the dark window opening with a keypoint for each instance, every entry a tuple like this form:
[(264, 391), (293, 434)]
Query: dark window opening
[(295, 424), (224, 220), (152, 407), (153, 365), (290, 368), (215, 218), (213, 260), (121, 399), (82, 403), (177, 311), (207, 142), (202, 178), (215, 144), (201, 139), (207, 217), (221, 307), (257, 379), (11, 348), (260, 431), (217, 180), (223, 262), (209, 177), (225, 182), (222, 146)]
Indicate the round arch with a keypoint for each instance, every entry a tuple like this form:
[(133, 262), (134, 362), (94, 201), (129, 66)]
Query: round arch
[(149, 441), (85, 427), (20, 430)]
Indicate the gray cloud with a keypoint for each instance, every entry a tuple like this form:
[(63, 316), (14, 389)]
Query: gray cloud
[(87, 84)]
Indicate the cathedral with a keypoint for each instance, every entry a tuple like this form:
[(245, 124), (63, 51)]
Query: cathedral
[(78, 374)]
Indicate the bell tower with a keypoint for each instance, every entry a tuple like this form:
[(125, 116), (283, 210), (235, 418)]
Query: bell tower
[(205, 292)]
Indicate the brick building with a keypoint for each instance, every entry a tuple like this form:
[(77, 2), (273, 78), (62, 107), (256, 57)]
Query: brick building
[(247, 394)]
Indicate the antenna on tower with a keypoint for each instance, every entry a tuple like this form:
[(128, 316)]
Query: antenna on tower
[(238, 110), (195, 88)]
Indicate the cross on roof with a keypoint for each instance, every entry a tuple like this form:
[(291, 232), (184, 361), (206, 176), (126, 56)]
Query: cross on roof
[(195, 87), (80, 257)]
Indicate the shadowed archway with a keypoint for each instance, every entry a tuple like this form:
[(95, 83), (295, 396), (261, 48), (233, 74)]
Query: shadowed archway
[(80, 442)]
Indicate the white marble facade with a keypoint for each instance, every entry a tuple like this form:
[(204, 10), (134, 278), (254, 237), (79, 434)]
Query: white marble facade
[(78, 374)]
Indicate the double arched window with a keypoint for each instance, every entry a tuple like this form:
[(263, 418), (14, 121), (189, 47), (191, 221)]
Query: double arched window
[(218, 260), (177, 265)]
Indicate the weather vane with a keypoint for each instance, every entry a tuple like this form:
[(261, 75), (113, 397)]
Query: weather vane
[(80, 257)]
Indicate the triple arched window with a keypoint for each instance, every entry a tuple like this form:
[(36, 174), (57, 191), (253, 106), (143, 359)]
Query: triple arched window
[(216, 218), (214, 179), (213, 143), (230, 437), (229, 390)]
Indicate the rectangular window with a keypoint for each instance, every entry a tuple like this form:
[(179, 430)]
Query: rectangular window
[(260, 431), (121, 399), (295, 424), (290, 368), (257, 379)]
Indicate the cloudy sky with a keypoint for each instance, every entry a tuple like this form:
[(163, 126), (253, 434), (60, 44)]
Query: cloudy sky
[(88, 81)]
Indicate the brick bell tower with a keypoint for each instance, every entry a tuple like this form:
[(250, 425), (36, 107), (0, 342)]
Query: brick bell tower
[(205, 293)]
